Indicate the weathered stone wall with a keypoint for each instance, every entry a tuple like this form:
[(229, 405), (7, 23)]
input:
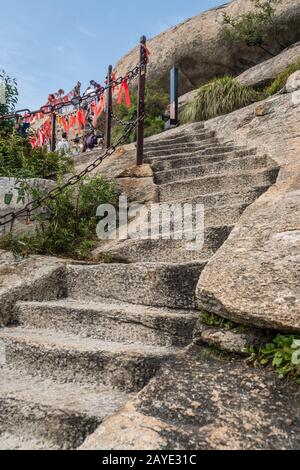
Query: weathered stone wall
[(9, 186)]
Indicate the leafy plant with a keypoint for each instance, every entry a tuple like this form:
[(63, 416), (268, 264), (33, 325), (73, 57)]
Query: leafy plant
[(18, 159), (211, 319), (219, 96), (257, 28), (8, 98), (282, 78), (65, 225), (156, 101), (283, 354)]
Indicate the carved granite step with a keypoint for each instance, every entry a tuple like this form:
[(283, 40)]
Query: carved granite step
[(214, 216), (42, 414), (111, 321), (72, 359), (187, 249), (213, 184), (203, 135), (174, 162), (220, 199), (205, 139), (206, 169), (209, 148), (175, 137), (153, 284)]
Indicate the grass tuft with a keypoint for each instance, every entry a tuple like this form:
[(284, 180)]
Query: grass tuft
[(282, 78), (220, 96)]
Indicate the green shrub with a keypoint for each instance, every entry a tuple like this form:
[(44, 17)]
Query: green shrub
[(257, 28), (283, 354), (282, 78), (10, 98), (18, 159), (220, 96), (156, 102), (67, 225)]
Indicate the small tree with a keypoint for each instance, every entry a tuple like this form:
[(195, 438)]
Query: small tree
[(8, 97), (256, 28)]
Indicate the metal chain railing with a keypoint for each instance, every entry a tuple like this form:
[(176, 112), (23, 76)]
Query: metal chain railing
[(129, 126), (121, 121), (77, 100), (32, 206)]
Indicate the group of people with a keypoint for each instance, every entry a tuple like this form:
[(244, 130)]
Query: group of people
[(88, 142)]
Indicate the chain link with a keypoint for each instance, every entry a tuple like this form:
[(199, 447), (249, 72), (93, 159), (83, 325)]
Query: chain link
[(120, 121), (73, 180)]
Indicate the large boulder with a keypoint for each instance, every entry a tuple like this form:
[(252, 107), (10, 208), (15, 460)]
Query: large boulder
[(254, 277), (197, 46), (264, 73)]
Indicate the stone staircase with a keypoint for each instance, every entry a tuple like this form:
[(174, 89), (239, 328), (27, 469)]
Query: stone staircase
[(74, 361)]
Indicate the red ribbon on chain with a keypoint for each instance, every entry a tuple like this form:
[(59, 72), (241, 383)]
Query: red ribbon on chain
[(124, 88), (81, 117)]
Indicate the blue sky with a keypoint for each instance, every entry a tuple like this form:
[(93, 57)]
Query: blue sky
[(51, 44)]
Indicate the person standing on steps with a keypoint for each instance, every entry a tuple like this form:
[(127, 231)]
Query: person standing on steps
[(63, 145)]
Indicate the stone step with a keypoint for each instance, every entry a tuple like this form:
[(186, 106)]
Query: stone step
[(183, 162), (211, 148), (153, 284), (171, 250), (184, 140), (223, 215), (171, 136), (51, 415), (116, 321), (206, 169), (179, 190), (72, 359), (214, 217), (218, 200)]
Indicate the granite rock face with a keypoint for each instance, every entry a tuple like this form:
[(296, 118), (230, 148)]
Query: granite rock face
[(197, 46), (254, 277), (293, 83), (212, 405), (261, 74), (264, 73)]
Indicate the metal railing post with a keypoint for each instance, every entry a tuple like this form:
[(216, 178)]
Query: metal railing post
[(108, 109), (53, 132), (141, 102)]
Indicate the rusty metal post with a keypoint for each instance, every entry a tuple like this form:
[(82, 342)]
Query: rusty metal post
[(108, 109), (53, 132), (141, 102)]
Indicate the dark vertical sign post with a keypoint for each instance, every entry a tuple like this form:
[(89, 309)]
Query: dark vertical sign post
[(108, 116), (174, 96), (141, 102), (174, 86), (53, 132)]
